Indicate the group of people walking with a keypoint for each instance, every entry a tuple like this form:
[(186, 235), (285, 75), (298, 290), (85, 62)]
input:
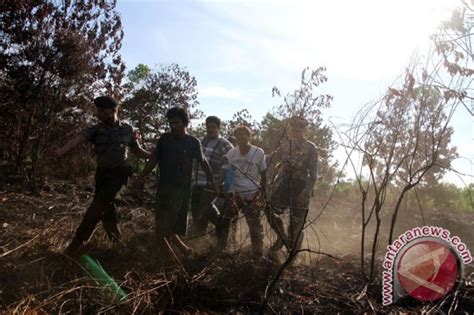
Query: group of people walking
[(217, 179)]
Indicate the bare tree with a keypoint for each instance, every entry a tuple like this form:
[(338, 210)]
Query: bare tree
[(53, 58), (407, 138), (403, 140)]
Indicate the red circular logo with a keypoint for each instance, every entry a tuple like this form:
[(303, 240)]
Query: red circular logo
[(428, 270)]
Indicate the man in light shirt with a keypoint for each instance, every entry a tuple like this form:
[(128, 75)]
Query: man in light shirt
[(249, 176)]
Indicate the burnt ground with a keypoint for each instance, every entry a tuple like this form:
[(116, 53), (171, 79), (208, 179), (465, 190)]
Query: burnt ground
[(36, 278)]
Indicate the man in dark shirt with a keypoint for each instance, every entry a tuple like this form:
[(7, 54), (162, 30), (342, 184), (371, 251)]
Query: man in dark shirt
[(174, 154), (111, 139)]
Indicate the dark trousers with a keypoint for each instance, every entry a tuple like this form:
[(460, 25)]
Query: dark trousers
[(201, 209), (294, 237), (228, 214), (171, 215), (108, 182), (252, 217), (287, 196)]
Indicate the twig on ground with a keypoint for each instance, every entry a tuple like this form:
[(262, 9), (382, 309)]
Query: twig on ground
[(18, 247)]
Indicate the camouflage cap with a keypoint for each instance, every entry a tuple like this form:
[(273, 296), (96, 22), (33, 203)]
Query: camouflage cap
[(105, 102), (298, 121)]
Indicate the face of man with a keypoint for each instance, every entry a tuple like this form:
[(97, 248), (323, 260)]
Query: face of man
[(296, 132), (177, 126), (242, 138), (212, 130), (107, 115)]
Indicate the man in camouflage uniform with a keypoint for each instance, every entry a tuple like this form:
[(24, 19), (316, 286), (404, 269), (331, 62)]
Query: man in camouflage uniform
[(296, 171), (111, 139)]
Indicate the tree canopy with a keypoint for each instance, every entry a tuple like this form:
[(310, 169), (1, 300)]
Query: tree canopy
[(149, 93)]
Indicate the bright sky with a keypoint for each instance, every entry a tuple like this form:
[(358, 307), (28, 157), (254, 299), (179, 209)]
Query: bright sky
[(239, 50)]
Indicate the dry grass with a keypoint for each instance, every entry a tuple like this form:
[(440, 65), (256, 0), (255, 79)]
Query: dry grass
[(35, 278)]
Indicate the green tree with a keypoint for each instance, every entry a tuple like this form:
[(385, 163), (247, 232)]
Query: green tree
[(150, 93), (241, 117)]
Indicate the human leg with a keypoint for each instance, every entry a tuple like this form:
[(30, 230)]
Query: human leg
[(276, 223), (296, 227), (252, 216), (86, 227)]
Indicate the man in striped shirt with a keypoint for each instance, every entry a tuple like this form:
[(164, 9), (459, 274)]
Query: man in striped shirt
[(214, 148)]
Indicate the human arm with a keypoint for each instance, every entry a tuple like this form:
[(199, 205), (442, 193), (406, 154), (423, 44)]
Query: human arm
[(208, 171), (136, 148), (70, 144), (149, 166), (140, 152), (225, 170), (204, 163)]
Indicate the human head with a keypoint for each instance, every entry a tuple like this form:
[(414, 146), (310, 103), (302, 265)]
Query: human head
[(242, 135), (297, 127), (213, 125), (107, 108), (178, 119)]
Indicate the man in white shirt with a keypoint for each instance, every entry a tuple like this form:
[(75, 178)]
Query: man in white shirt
[(249, 176)]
